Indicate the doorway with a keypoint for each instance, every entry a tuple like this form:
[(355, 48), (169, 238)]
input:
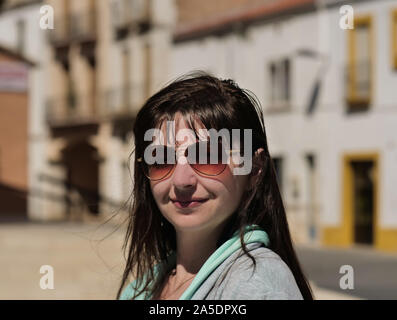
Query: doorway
[(363, 201), (360, 194), (81, 161)]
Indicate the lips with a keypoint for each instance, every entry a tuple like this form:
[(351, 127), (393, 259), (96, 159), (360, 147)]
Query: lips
[(188, 203)]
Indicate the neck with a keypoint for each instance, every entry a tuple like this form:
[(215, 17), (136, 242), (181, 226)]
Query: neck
[(193, 249)]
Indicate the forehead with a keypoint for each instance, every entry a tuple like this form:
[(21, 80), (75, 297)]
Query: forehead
[(180, 130)]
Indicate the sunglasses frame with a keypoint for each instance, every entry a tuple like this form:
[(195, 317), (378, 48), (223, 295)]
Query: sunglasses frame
[(231, 151)]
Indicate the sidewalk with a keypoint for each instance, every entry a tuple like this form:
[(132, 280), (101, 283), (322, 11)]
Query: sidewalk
[(325, 294), (87, 261), (374, 272)]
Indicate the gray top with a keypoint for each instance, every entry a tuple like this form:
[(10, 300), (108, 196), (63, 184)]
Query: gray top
[(236, 279)]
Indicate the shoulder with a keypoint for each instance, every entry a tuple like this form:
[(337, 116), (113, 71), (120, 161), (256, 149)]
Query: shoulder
[(270, 278), (128, 291)]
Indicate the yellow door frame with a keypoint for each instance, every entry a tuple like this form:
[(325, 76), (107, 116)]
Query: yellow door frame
[(348, 197), (343, 235)]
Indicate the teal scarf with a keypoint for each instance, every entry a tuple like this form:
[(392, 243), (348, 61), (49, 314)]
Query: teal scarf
[(252, 233)]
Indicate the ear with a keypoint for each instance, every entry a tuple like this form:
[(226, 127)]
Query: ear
[(257, 165)]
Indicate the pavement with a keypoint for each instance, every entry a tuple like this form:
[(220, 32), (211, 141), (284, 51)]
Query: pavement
[(88, 262), (374, 272)]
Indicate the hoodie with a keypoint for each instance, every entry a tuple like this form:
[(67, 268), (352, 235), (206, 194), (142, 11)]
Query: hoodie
[(229, 274)]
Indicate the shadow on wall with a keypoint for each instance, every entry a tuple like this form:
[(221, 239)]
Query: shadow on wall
[(13, 204)]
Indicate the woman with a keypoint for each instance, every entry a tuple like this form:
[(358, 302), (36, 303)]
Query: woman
[(203, 230)]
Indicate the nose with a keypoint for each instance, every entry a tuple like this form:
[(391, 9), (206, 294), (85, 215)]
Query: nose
[(184, 177)]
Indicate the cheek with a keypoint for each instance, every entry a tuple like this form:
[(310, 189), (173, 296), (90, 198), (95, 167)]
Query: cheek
[(235, 184), (230, 189), (160, 191)]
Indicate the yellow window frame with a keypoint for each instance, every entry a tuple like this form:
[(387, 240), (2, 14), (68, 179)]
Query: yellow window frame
[(394, 38), (353, 98)]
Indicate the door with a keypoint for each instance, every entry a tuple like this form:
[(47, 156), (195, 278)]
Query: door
[(363, 201)]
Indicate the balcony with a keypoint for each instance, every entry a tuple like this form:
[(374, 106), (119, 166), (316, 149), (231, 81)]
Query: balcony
[(83, 26), (60, 36), (71, 110), (121, 102), (109, 105), (76, 28), (131, 15)]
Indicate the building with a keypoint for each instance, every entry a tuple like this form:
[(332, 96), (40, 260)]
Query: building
[(327, 93), (329, 101), (14, 70), (101, 69), (22, 38), (93, 71)]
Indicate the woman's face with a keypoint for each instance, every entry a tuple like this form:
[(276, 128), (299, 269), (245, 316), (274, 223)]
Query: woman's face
[(193, 202)]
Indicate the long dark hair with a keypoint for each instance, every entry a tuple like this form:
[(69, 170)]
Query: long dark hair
[(217, 104)]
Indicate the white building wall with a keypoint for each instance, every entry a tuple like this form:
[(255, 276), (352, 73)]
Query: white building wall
[(329, 132), (374, 130)]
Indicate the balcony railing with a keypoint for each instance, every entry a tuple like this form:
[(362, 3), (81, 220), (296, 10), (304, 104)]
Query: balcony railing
[(130, 15), (82, 108), (83, 26), (71, 108), (60, 34), (125, 100), (77, 27)]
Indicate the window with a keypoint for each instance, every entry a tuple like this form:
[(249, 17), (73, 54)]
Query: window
[(359, 66), (394, 38), (279, 72)]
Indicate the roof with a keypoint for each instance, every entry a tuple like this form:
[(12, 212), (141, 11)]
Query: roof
[(225, 21), (11, 53)]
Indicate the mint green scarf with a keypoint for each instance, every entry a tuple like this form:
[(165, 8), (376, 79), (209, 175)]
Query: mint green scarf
[(252, 233)]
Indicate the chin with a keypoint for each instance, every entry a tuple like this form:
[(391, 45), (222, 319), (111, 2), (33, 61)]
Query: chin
[(188, 222)]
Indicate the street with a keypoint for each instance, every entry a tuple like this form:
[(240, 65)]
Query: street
[(87, 261), (375, 273)]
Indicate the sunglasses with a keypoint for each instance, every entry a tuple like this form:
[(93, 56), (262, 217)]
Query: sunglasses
[(201, 156)]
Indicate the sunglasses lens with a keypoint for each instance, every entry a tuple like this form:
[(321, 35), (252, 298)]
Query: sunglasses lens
[(159, 171), (206, 158), (164, 165), (210, 169)]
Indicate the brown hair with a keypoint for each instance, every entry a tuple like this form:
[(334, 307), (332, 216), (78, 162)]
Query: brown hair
[(217, 104)]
